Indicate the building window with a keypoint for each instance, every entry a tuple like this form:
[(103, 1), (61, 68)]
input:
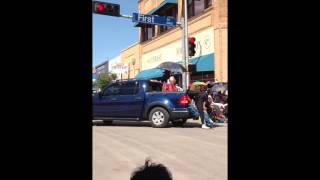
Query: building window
[(208, 3), (196, 7), (148, 31), (169, 11)]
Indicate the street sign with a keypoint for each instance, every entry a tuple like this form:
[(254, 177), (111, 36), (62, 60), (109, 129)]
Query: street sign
[(152, 19)]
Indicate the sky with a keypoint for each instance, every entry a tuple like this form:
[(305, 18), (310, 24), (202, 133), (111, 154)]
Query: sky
[(112, 34)]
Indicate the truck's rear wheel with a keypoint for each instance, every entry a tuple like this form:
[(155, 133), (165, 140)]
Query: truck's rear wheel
[(159, 117), (179, 122)]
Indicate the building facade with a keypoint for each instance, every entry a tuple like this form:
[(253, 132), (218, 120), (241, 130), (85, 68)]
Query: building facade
[(111, 64), (132, 57), (102, 68), (94, 75), (207, 22)]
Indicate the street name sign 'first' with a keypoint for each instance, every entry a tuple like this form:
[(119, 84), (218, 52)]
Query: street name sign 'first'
[(152, 19)]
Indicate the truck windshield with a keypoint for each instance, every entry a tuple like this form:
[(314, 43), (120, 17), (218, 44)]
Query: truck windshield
[(154, 87)]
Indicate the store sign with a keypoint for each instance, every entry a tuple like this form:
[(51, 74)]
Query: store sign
[(207, 42), (119, 68), (154, 59)]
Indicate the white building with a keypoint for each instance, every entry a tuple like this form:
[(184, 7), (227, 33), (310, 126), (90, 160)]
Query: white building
[(112, 62)]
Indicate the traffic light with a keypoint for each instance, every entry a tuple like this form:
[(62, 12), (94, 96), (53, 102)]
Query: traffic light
[(192, 46), (106, 8)]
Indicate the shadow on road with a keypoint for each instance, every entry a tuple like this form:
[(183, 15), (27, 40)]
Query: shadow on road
[(142, 124)]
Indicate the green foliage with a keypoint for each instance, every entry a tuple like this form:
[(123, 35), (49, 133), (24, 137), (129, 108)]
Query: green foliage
[(113, 76), (105, 79), (94, 85)]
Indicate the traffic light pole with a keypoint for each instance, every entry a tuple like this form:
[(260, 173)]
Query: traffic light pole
[(185, 54)]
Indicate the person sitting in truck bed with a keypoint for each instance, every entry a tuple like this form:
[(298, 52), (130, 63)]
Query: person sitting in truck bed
[(170, 85)]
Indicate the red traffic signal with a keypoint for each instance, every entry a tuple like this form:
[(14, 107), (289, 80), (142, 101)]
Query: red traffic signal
[(192, 46), (100, 7), (106, 8), (192, 40)]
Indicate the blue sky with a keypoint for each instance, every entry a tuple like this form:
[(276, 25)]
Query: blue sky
[(112, 34)]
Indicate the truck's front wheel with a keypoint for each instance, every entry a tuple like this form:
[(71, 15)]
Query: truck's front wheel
[(159, 117)]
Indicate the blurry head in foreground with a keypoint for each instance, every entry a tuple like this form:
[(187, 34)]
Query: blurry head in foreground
[(151, 171)]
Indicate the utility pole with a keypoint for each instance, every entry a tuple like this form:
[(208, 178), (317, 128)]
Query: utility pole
[(185, 54)]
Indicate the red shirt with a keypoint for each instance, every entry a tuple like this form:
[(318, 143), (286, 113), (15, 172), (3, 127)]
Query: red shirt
[(169, 87)]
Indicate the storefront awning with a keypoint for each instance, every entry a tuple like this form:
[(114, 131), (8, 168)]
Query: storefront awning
[(203, 63), (150, 73), (164, 4)]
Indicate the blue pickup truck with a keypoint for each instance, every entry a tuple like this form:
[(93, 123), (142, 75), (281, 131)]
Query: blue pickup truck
[(141, 100)]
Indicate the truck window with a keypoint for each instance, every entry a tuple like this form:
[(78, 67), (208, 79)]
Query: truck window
[(129, 88), (112, 90), (154, 87)]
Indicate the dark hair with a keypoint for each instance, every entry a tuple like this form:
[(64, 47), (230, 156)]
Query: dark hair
[(209, 91), (151, 171), (209, 85)]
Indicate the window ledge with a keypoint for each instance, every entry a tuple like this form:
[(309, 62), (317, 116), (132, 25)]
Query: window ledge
[(146, 41), (167, 31)]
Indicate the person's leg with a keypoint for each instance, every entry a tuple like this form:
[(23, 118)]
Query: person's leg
[(194, 112), (216, 109), (201, 113), (202, 116), (226, 110)]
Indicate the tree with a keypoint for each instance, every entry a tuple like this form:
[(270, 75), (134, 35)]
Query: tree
[(114, 76), (94, 85), (104, 79)]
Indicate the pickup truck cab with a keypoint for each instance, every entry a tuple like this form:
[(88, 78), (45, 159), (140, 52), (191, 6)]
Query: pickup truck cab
[(141, 100)]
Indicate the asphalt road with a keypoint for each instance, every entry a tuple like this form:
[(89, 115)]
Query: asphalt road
[(190, 153)]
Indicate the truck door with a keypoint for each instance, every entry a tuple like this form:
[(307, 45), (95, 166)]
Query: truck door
[(107, 105), (131, 100)]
